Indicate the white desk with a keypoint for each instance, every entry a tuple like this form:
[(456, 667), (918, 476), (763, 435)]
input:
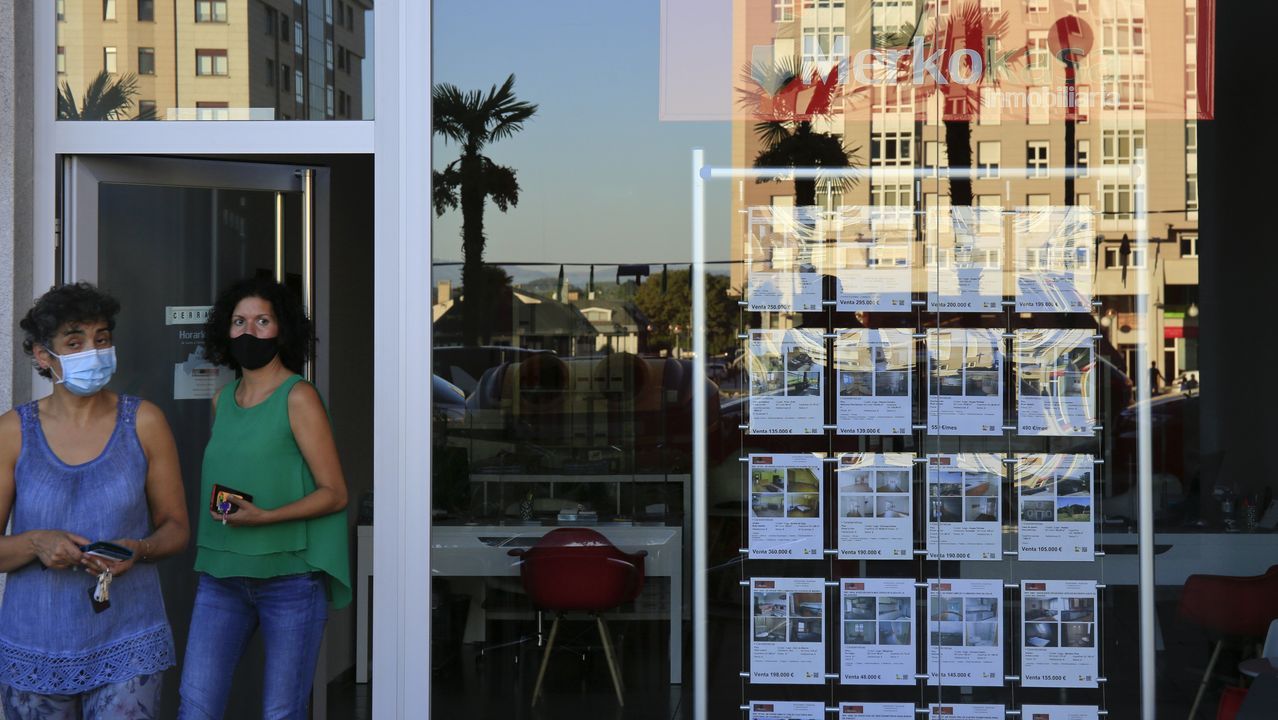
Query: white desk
[(481, 551)]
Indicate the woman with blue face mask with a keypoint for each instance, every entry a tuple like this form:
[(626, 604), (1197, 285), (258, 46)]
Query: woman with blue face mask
[(83, 631)]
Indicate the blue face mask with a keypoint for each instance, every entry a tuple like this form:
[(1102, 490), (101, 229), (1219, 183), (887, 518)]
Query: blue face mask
[(85, 373)]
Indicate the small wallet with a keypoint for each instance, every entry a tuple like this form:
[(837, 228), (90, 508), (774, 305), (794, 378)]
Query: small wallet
[(219, 499)]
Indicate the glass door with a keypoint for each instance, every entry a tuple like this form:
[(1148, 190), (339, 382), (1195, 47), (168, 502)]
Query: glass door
[(165, 236)]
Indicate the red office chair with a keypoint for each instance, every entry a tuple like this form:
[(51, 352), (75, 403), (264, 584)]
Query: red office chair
[(579, 569), (1231, 608)]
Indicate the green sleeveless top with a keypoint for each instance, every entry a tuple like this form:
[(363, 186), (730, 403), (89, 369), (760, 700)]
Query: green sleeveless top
[(253, 450)]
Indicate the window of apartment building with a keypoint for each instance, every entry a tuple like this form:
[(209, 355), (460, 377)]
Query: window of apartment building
[(1191, 192), (991, 110), (146, 109), (1124, 91), (991, 4), (270, 72), (60, 8), (935, 154), (146, 10), (146, 61), (821, 4), (892, 15), (1081, 6), (299, 37), (824, 44), (1191, 136), (891, 98), (284, 28), (988, 158), (783, 11), (341, 58), (299, 86), (212, 111), (1122, 146), (991, 219), (328, 100), (1037, 51), (286, 77), (1083, 157), (891, 194), (210, 11), (272, 20), (108, 59), (1189, 246), (61, 64), (1036, 158), (1038, 200), (890, 149), (1114, 259), (210, 62), (328, 54), (1082, 102), (108, 9), (328, 11), (1122, 36), (1191, 22), (1118, 201), (1036, 6), (1084, 200), (350, 62)]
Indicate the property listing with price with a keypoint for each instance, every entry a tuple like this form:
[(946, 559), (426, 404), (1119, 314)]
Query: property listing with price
[(1055, 382), (1058, 646), (784, 258), (787, 381), (1055, 495), (1053, 259), (877, 646), (871, 259), (966, 712), (964, 258), (876, 500), (1060, 712), (965, 382), (964, 507), (965, 638), (874, 375), (778, 710), (876, 711), (785, 506), (787, 639)]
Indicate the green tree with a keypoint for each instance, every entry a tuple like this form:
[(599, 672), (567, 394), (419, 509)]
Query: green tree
[(108, 97), (669, 311), (473, 119)]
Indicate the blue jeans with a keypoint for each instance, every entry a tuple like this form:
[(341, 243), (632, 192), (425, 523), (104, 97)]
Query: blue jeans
[(137, 698), (290, 611)]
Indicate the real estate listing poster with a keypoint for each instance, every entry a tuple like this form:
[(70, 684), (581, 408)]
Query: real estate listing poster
[(777, 710), (965, 712), (874, 377), (787, 637), (876, 711), (964, 258), (1060, 712), (785, 507), (787, 381), (965, 637), (872, 260), (964, 506), (1058, 646), (784, 257), (878, 631), (1053, 259), (1056, 382), (876, 502), (1055, 494), (965, 382)]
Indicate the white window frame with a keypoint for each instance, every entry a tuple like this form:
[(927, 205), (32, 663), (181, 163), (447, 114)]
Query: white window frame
[(299, 38), (211, 11), (1038, 157), (109, 10), (1083, 157), (401, 367), (1190, 239), (111, 59), (989, 156), (783, 11)]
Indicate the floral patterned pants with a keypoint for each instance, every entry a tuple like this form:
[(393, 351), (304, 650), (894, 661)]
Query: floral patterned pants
[(137, 698)]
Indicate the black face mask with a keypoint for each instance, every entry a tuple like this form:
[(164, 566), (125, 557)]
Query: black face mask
[(252, 352)]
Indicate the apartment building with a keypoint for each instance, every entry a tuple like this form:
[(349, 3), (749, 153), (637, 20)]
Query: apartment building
[(1128, 116), (220, 59)]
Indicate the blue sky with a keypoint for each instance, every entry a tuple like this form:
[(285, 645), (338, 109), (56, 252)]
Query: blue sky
[(603, 179)]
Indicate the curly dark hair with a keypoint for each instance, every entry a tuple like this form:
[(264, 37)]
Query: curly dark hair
[(70, 303), (295, 336)]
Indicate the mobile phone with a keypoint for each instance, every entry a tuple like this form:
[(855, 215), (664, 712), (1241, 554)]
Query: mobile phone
[(219, 499), (108, 551)]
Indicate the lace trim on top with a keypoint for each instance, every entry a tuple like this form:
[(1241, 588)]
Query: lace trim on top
[(143, 654)]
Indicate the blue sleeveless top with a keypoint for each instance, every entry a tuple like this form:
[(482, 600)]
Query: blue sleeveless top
[(51, 641)]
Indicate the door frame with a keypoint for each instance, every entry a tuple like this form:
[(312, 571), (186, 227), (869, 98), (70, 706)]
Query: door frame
[(399, 141)]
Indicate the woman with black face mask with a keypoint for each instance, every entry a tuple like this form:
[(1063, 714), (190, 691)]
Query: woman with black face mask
[(272, 545)]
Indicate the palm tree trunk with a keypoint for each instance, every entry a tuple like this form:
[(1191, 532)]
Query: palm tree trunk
[(804, 192), (475, 302), (958, 145)]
